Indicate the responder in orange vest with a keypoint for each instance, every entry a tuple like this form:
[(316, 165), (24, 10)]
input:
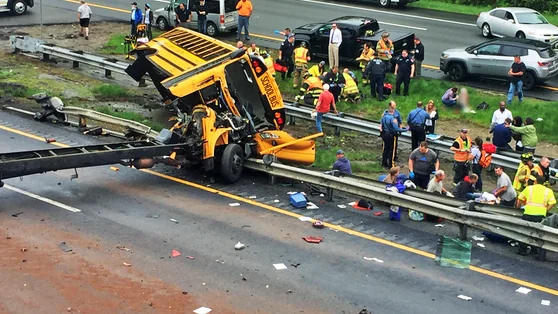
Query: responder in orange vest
[(523, 172), (310, 90), (365, 57), (385, 50), (537, 200), (268, 61), (301, 59), (543, 170), (461, 156)]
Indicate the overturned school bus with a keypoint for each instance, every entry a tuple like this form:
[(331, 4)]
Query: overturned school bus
[(228, 105)]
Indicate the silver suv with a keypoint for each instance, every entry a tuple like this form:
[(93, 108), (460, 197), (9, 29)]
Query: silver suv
[(494, 58)]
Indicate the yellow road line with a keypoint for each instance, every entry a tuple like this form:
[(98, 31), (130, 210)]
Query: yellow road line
[(329, 225)]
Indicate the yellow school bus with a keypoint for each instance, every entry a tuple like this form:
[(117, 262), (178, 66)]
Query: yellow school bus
[(228, 104)]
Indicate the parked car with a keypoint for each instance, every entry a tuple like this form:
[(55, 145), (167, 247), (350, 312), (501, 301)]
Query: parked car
[(494, 58), (356, 31), (516, 22), (222, 16), (17, 7)]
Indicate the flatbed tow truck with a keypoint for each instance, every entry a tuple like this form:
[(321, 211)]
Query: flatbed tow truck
[(228, 108)]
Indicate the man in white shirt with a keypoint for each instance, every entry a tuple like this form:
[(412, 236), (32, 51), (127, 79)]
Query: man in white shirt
[(500, 115), (84, 15), (335, 39)]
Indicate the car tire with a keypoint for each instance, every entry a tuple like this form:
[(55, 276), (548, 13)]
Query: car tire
[(520, 35), (401, 4), (162, 24), (529, 80), (456, 71), (232, 162), (486, 31), (211, 29), (385, 3), (19, 7)]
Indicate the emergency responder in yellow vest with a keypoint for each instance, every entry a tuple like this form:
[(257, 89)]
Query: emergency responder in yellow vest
[(365, 57), (317, 70), (310, 90), (301, 59), (253, 50), (461, 148), (536, 200), (543, 169), (268, 61), (350, 91), (523, 172), (385, 50)]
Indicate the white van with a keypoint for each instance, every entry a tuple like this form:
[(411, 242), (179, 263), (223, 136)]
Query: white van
[(17, 7), (221, 17)]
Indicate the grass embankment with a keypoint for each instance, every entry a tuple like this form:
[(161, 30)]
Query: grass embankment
[(468, 9)]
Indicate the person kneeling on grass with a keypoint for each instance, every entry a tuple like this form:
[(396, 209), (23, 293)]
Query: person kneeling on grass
[(465, 190), (342, 163), (450, 97)]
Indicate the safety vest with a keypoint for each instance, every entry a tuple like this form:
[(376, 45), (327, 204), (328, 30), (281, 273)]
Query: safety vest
[(521, 177), (315, 70), (300, 55), (269, 64), (537, 198), (459, 155), (381, 47), (350, 85), (540, 172), (254, 51), (366, 56)]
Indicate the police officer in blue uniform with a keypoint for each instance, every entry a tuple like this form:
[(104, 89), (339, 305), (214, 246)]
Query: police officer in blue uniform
[(389, 129), (416, 120), (404, 69), (376, 71), (397, 116)]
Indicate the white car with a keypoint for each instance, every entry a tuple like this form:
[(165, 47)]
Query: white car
[(516, 22)]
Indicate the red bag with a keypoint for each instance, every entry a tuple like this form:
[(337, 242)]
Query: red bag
[(387, 89), (280, 68)]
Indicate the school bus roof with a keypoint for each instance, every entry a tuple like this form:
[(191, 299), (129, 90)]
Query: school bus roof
[(181, 49)]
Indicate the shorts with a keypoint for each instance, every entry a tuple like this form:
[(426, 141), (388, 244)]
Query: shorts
[(84, 22)]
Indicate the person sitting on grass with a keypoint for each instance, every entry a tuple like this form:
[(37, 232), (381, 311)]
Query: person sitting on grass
[(391, 178), (342, 163), (450, 97)]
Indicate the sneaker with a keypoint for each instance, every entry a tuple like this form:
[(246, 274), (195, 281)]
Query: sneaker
[(86, 37), (80, 34), (247, 38)]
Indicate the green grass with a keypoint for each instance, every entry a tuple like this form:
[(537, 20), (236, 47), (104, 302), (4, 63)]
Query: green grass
[(362, 161), (6, 74), (110, 91), (467, 9), (425, 89), (115, 45), (134, 116)]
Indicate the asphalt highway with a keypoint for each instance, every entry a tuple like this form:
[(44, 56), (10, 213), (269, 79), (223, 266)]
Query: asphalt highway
[(333, 276)]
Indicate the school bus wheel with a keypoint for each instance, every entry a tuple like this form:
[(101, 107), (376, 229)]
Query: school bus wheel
[(232, 163), (268, 159)]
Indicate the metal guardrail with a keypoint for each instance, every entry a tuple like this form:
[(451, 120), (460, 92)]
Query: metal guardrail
[(351, 123)]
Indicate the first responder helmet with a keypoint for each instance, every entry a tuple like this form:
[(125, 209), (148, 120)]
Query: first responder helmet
[(303, 44), (527, 156)]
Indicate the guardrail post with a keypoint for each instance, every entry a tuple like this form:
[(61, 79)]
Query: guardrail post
[(462, 231), (82, 123), (329, 194), (75, 64), (46, 56), (272, 179), (142, 83), (108, 73), (337, 131)]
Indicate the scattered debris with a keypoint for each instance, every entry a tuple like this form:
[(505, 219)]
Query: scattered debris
[(246, 226), (476, 238), (318, 224), (439, 225), (15, 215), (239, 246), (481, 245), (153, 216), (276, 201), (322, 195), (189, 257), (267, 286), (24, 261), (373, 259), (218, 261), (295, 265), (523, 290), (342, 206), (539, 119), (352, 203), (244, 279), (252, 197), (378, 213), (312, 239), (175, 253), (174, 220), (291, 193), (234, 204), (64, 247), (545, 302), (464, 297), (50, 140), (280, 266), (23, 249), (123, 248), (113, 168), (289, 291), (311, 205), (202, 310), (304, 218), (184, 292), (126, 264)]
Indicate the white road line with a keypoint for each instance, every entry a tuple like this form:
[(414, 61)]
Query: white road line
[(388, 12), (404, 26), (43, 199)]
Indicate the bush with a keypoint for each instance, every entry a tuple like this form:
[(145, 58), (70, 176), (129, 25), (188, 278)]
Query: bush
[(539, 5)]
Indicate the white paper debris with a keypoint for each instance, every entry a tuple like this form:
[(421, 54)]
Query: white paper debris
[(373, 259), (304, 218), (476, 238), (202, 310), (280, 266), (481, 245), (342, 206), (291, 193), (523, 290), (252, 197), (239, 246), (311, 205), (545, 302), (174, 220), (539, 119), (234, 204), (439, 225), (276, 201), (322, 195), (352, 203), (464, 297)]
